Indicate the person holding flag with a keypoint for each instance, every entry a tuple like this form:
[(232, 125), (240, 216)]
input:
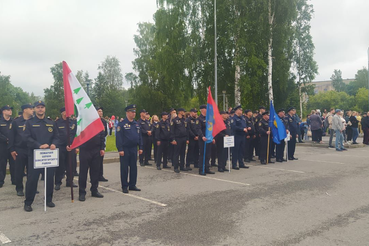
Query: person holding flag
[(210, 124), (240, 131), (90, 133), (280, 147), (278, 129), (265, 143)]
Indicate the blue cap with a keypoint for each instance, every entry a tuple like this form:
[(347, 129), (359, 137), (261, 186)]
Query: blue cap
[(131, 107), (6, 107), (237, 107), (38, 103), (23, 107)]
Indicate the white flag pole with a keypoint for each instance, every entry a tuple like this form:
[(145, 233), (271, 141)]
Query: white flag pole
[(45, 180)]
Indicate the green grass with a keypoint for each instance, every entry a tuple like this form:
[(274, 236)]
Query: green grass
[(110, 144)]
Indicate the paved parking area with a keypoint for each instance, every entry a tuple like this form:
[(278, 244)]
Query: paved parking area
[(321, 199)]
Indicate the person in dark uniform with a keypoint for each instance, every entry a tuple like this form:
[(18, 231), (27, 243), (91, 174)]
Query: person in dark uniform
[(256, 124), (128, 138), (146, 131), (179, 140), (90, 154), (101, 172), (151, 136), (239, 128), (250, 136), (293, 128), (222, 152), (154, 123), (40, 133), (193, 145), (172, 115), (163, 137), (18, 146), (5, 156), (201, 129), (280, 147), (265, 137), (61, 126)]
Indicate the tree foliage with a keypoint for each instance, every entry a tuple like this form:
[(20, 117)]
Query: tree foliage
[(337, 81)]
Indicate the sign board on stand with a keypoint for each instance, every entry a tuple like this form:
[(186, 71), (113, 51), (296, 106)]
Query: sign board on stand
[(229, 143), (45, 158)]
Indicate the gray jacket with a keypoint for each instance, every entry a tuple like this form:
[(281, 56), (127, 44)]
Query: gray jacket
[(337, 123)]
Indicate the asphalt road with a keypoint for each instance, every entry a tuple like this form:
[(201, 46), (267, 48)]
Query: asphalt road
[(321, 199)]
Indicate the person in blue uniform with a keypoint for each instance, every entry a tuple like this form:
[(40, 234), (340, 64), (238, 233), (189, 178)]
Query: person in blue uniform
[(5, 156), (239, 128), (179, 140), (61, 126), (265, 138), (146, 131), (257, 119), (128, 138), (193, 145), (18, 146), (222, 153), (280, 147), (163, 137), (201, 129), (40, 133), (293, 128)]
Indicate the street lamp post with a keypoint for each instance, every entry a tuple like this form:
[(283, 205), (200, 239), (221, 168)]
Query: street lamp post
[(224, 92), (368, 76), (215, 52), (88, 82)]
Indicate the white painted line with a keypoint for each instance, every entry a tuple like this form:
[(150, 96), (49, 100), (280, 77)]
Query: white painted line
[(134, 196), (205, 177), (4, 239), (331, 162), (281, 169)]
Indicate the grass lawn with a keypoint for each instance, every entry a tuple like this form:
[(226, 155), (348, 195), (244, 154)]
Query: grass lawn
[(110, 144)]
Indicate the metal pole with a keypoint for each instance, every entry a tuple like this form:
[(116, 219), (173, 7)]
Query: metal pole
[(368, 76), (215, 52), (224, 109)]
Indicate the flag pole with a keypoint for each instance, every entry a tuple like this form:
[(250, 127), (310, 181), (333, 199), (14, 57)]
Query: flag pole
[(70, 162), (203, 162), (267, 160)]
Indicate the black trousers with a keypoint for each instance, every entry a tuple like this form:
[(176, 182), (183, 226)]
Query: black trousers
[(264, 148), (5, 156), (213, 154), (257, 145), (222, 153), (89, 159), (179, 153), (155, 150), (21, 162), (349, 133), (128, 164), (145, 156), (292, 146), (162, 153), (237, 151), (32, 181), (247, 154), (150, 148), (63, 167), (280, 150), (193, 153), (201, 156), (74, 161)]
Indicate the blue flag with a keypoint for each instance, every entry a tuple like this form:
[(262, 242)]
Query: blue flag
[(275, 123)]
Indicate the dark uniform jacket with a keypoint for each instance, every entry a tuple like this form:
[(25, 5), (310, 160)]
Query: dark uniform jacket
[(201, 127), (292, 125), (39, 132), (227, 131), (179, 128), (5, 128), (257, 119), (145, 126), (61, 126), (238, 126), (128, 135), (162, 131), (192, 124), (16, 137), (263, 127), (250, 123)]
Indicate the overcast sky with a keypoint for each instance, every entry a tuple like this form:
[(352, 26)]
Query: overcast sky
[(36, 34)]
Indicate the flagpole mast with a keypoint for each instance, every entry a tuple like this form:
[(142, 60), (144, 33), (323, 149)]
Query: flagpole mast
[(70, 162), (215, 53), (267, 160)]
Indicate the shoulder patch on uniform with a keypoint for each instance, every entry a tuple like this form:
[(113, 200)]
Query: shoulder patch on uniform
[(73, 126), (118, 129), (171, 123), (231, 120), (50, 129), (10, 126), (260, 124), (197, 122), (157, 126), (49, 125)]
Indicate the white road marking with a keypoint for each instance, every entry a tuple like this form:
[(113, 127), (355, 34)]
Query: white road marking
[(134, 196), (205, 177), (331, 162), (4, 239), (281, 169)]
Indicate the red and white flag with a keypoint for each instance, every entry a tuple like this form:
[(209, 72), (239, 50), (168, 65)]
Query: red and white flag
[(78, 103)]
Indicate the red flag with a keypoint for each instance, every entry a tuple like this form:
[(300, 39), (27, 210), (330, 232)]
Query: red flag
[(214, 120)]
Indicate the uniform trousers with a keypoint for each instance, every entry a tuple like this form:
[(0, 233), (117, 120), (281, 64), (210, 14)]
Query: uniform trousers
[(193, 153), (202, 144), (162, 153), (21, 162), (89, 159), (128, 164), (145, 156), (248, 149), (5, 156), (222, 153), (32, 181), (63, 167), (291, 146), (280, 150), (264, 148), (237, 152), (179, 153)]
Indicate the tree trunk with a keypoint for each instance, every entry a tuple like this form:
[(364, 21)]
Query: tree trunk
[(237, 91), (270, 58)]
